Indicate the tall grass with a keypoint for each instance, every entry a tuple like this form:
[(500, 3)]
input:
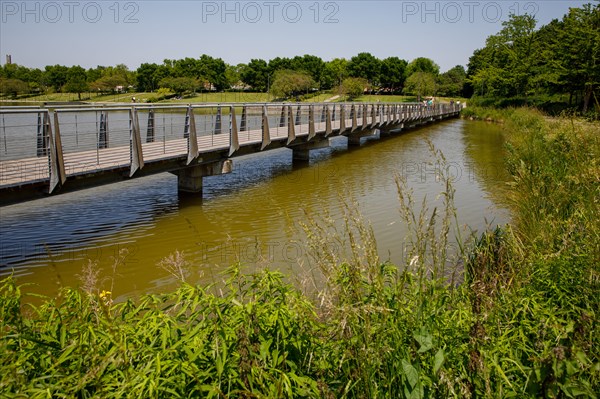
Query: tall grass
[(511, 313)]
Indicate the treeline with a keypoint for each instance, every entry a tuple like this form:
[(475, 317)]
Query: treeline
[(557, 64), (283, 76), (522, 63)]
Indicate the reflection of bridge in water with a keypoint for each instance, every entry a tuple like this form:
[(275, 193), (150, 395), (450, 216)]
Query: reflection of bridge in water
[(49, 151)]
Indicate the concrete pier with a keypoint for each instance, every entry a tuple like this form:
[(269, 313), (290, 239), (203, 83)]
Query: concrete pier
[(301, 152), (189, 180)]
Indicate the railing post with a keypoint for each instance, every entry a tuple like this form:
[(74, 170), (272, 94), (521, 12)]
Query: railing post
[(311, 122), (234, 140), (353, 116), (150, 128), (324, 114), (136, 156), (328, 127), (342, 118), (218, 121), (186, 125), (298, 115), (374, 113), (244, 120), (364, 116), (42, 135), (266, 134), (282, 117), (60, 160), (103, 135), (53, 163), (291, 125), (192, 138)]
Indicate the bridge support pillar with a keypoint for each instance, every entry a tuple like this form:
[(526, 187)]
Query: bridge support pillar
[(189, 180), (301, 152), (388, 130), (354, 138)]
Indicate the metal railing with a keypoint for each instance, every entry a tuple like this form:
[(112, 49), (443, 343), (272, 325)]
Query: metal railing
[(52, 144)]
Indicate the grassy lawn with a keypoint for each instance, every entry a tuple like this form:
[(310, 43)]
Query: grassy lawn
[(373, 98), (225, 97)]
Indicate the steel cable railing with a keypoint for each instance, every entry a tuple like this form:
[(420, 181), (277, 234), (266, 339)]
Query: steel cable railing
[(39, 144)]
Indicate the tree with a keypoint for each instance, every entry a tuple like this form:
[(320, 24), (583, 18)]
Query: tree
[(278, 63), (256, 74), (393, 71), (164, 70), (310, 64), (114, 77), (56, 76), (213, 71), (180, 85), (365, 66), (450, 83), (505, 66), (422, 64), (76, 81), (354, 87), (334, 73), (36, 81), (477, 62), (13, 87), (94, 74), (577, 51), (420, 84), (232, 74), (188, 67), (108, 83), (123, 72), (146, 78), (287, 83)]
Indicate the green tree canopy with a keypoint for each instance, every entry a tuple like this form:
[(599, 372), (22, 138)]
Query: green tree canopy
[(287, 83), (181, 85), (576, 54), (505, 66), (393, 73), (422, 64), (420, 84), (310, 64), (13, 87), (76, 81), (334, 73), (146, 78), (451, 83), (56, 76), (354, 87), (256, 74), (366, 66)]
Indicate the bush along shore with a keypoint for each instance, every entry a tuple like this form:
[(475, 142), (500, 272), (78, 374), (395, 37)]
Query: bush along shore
[(513, 314)]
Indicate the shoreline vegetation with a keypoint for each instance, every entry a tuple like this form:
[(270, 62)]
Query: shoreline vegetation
[(513, 314)]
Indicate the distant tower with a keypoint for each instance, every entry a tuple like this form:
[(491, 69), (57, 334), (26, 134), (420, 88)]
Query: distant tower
[(8, 59)]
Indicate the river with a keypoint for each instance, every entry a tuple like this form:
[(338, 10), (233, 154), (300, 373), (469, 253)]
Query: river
[(251, 215)]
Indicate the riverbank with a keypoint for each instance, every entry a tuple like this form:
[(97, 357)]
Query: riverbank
[(522, 324)]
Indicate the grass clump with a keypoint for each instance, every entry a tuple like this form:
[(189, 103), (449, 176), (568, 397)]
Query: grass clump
[(512, 312)]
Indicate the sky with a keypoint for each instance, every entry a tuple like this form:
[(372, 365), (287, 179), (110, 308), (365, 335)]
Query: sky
[(91, 33)]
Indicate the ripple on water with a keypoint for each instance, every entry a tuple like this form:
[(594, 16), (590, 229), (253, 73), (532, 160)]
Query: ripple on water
[(258, 205)]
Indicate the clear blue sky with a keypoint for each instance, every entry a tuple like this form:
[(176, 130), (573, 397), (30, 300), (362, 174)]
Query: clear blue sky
[(91, 33)]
